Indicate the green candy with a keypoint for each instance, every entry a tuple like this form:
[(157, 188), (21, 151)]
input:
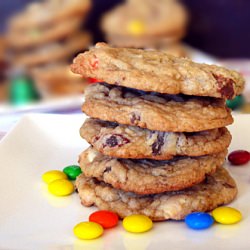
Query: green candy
[(236, 103), (72, 171), (22, 90)]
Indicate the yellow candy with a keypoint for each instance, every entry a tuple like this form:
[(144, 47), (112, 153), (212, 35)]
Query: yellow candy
[(61, 187), (136, 28), (88, 230), (137, 223), (226, 215), (53, 175)]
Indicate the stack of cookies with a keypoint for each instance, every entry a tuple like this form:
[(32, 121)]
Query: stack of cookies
[(157, 133), (45, 36), (147, 24)]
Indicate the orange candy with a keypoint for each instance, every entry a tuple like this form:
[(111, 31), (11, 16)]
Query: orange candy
[(106, 219)]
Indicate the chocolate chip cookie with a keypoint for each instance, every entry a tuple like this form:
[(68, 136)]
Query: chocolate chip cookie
[(124, 141), (155, 18), (215, 190), (57, 51), (175, 113), (48, 12), (149, 176), (157, 71)]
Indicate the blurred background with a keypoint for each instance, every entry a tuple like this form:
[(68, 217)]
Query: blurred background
[(39, 39)]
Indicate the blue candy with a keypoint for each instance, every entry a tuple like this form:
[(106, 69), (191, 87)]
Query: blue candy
[(199, 220)]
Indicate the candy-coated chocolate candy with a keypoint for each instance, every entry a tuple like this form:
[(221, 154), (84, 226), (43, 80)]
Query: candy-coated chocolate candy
[(239, 157), (61, 187), (53, 175), (88, 230), (106, 219), (199, 220), (136, 27), (94, 80), (137, 223), (22, 90), (236, 103), (226, 215), (72, 171)]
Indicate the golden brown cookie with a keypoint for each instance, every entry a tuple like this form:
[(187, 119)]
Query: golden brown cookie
[(157, 71), (53, 52), (143, 18), (58, 80), (48, 12), (154, 111), (36, 36), (149, 176), (216, 190), (124, 141), (154, 42)]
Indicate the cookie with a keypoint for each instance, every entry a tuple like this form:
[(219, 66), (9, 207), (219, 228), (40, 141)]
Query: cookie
[(216, 190), (149, 176), (124, 141), (53, 52), (145, 18), (48, 12), (155, 111), (37, 36), (157, 71), (144, 42), (53, 73)]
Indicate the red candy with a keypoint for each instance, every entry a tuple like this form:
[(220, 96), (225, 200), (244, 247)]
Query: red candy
[(106, 219), (94, 62), (93, 80), (239, 157)]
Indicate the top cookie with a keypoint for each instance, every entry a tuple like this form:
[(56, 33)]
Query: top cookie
[(157, 71), (145, 18)]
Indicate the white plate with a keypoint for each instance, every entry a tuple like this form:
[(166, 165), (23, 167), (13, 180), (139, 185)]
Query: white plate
[(31, 218), (46, 105)]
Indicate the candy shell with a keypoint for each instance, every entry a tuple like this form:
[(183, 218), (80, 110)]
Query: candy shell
[(236, 103), (136, 28), (199, 220), (72, 171), (137, 223), (88, 230), (61, 187), (239, 157), (106, 219), (226, 215), (53, 175), (94, 80)]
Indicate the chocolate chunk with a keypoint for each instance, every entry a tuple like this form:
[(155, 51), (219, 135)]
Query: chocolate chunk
[(116, 140), (227, 185), (96, 138), (107, 169), (134, 118), (226, 86), (157, 145)]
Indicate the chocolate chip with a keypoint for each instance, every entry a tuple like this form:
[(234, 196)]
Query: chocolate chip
[(227, 185), (107, 169), (157, 145), (116, 140), (96, 138), (226, 86), (135, 118)]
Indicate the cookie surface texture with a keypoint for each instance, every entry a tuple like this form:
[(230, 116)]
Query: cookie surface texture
[(216, 190), (140, 69)]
